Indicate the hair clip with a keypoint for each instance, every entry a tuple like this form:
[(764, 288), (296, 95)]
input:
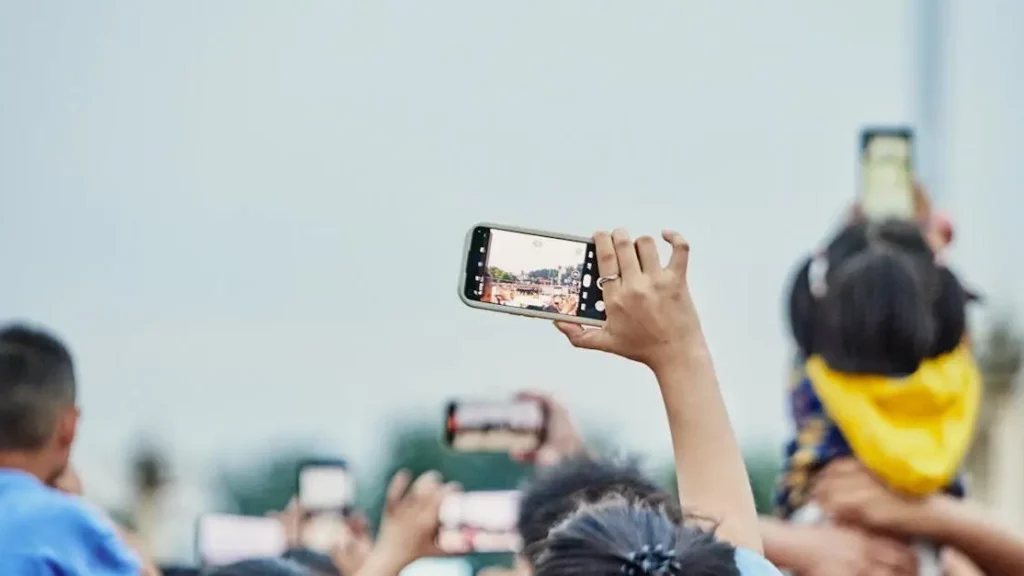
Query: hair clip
[(816, 274)]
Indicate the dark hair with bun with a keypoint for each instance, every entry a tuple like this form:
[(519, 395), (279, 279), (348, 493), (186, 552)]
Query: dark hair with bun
[(875, 301), (619, 537)]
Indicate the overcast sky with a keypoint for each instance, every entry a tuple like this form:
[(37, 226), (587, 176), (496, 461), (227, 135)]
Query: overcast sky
[(246, 217)]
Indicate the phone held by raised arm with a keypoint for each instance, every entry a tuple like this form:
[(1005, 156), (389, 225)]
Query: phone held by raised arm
[(531, 273), (886, 173)]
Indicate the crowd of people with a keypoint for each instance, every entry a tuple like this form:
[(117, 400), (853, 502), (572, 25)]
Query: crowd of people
[(885, 400)]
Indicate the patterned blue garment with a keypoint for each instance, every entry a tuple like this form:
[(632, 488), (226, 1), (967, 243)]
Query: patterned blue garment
[(817, 442)]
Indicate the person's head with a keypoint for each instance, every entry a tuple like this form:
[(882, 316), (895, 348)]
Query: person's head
[(622, 538), (38, 415), (556, 492), (875, 302), (318, 564), (259, 567)]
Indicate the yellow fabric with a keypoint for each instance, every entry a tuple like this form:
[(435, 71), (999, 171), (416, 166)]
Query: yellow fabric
[(912, 432)]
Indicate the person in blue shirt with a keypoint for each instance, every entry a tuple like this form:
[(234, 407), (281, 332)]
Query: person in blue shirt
[(44, 531)]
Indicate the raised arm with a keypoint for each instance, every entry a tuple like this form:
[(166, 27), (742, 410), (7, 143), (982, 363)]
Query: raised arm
[(651, 319)]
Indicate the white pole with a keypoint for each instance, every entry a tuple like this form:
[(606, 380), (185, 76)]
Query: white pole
[(929, 31)]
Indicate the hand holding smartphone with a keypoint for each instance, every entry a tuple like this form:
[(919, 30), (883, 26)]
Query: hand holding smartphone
[(326, 495), (516, 426), (531, 273)]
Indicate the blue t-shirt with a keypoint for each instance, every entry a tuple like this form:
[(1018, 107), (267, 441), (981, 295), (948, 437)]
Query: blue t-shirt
[(44, 532), (753, 564)]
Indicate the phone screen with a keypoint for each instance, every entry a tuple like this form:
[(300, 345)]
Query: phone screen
[(325, 487), (438, 567), (225, 539), (479, 522), (516, 426), (887, 174), (533, 272)]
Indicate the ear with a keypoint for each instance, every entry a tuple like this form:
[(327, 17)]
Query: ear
[(67, 427)]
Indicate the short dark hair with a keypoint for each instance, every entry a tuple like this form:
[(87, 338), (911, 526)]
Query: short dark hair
[(37, 381), (886, 305), (621, 537), (259, 567), (555, 493)]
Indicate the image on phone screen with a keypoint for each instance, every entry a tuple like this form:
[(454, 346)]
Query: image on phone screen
[(516, 426), (531, 271), (479, 522), (224, 539), (887, 178)]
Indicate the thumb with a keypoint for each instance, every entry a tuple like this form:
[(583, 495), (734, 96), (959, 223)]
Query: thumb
[(580, 337)]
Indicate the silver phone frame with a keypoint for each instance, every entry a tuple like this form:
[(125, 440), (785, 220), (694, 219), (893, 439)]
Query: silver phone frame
[(464, 262)]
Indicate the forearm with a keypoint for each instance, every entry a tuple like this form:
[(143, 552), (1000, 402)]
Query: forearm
[(970, 530), (711, 474)]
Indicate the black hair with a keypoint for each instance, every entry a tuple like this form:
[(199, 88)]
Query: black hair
[(875, 301), (317, 562), (555, 493), (37, 381), (259, 567), (622, 538)]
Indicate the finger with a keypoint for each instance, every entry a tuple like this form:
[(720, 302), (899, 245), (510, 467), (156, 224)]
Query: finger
[(358, 523), (523, 456), (397, 487), (625, 253), (647, 253), (427, 484), (534, 396), (607, 262), (580, 337), (680, 252)]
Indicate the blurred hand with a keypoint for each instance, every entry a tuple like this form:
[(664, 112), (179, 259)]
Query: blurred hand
[(650, 316), (561, 440), (69, 482), (408, 529), (837, 551), (850, 494), (291, 519), (354, 546), (956, 564)]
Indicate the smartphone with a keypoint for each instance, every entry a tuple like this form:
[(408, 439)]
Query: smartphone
[(512, 426), (887, 176), (479, 522), (438, 567), (531, 273), (224, 539), (326, 495)]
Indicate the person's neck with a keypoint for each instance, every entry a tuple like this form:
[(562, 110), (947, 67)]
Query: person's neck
[(27, 462)]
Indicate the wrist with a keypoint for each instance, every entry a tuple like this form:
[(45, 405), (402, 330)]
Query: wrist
[(679, 357)]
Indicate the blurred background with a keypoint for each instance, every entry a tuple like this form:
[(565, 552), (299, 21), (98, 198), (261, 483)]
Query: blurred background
[(246, 217)]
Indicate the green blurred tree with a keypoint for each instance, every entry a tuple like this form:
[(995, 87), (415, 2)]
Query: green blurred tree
[(763, 467), (268, 485)]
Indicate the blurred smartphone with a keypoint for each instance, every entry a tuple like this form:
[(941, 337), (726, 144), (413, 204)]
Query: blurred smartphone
[(531, 273), (512, 426), (887, 177), (438, 567), (224, 539), (480, 522), (326, 495)]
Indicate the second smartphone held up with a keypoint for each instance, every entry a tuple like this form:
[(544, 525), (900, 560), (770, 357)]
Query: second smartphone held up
[(515, 426), (887, 178), (531, 273)]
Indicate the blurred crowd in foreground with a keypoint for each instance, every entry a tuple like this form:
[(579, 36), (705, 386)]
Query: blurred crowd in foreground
[(885, 400)]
